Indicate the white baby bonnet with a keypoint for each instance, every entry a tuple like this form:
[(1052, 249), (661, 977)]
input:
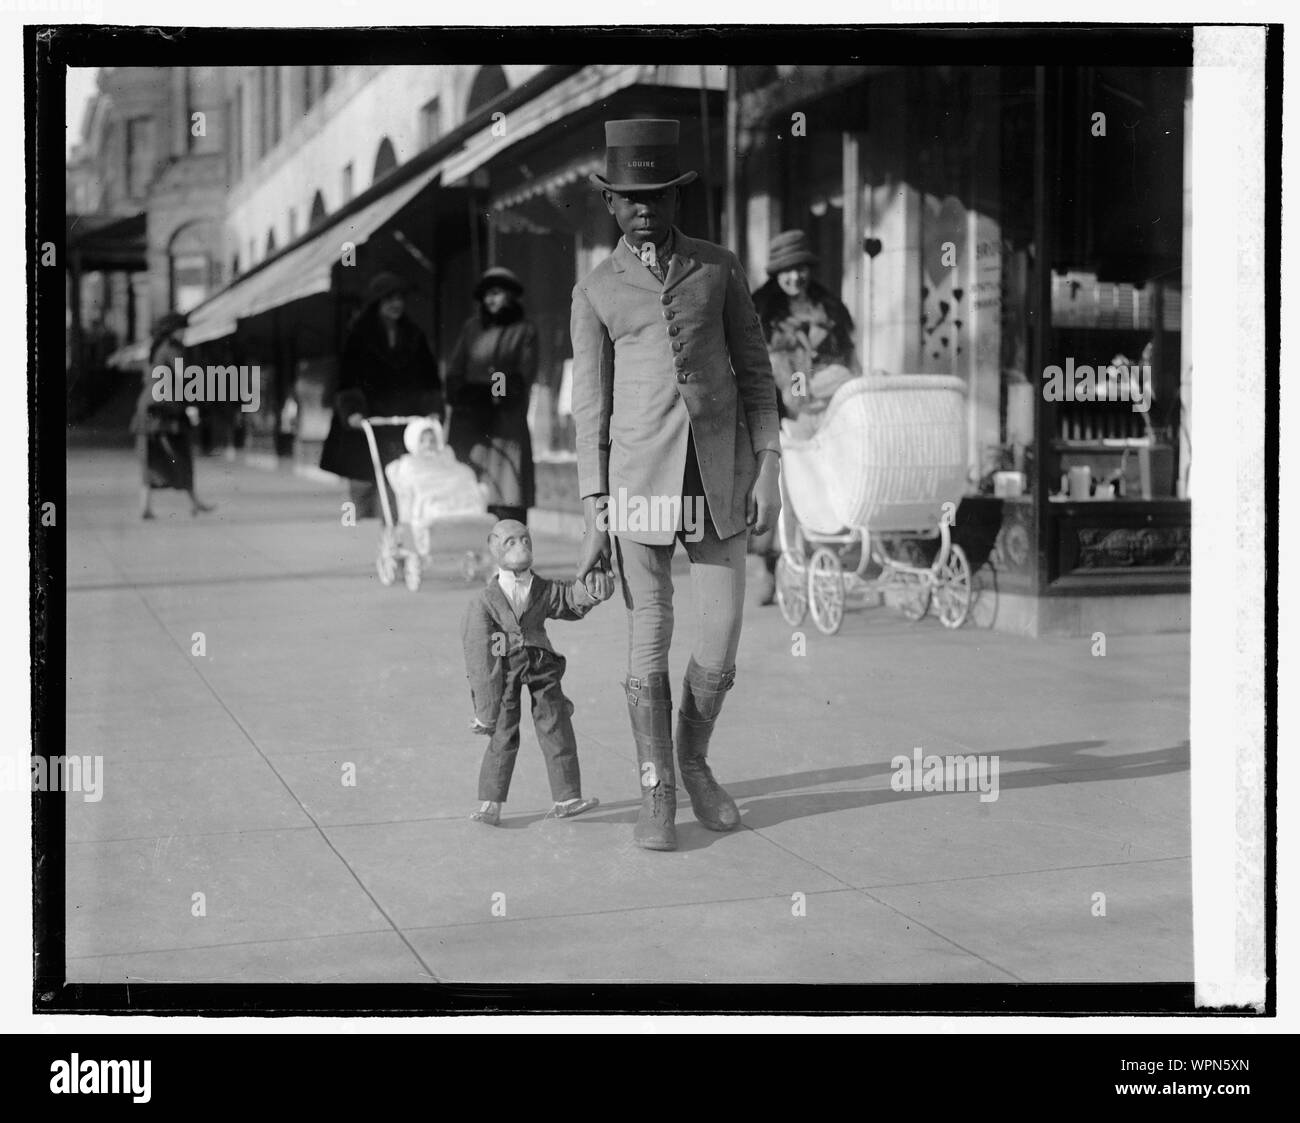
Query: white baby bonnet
[(411, 437)]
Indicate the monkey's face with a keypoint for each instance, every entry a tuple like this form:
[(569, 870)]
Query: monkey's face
[(511, 546)]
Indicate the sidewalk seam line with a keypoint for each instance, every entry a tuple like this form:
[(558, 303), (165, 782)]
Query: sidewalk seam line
[(284, 783)]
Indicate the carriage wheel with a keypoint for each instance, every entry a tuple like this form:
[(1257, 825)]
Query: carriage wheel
[(826, 591), (953, 589), (791, 591)]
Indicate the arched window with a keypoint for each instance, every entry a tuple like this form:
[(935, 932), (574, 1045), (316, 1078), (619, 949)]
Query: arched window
[(270, 242), (317, 211), (490, 82), (192, 264), (385, 160)]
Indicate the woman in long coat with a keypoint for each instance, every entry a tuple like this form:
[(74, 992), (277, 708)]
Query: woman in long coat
[(489, 379), (387, 370), (162, 428)]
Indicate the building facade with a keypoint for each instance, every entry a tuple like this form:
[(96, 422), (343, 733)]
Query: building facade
[(146, 194), (307, 140)]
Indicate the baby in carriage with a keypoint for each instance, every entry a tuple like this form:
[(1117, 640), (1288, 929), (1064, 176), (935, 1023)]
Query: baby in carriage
[(430, 484)]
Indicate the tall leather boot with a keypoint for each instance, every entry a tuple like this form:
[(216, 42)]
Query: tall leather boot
[(702, 695), (650, 706)]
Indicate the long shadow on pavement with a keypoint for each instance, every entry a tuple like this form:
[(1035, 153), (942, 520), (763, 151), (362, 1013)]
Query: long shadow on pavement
[(1064, 759)]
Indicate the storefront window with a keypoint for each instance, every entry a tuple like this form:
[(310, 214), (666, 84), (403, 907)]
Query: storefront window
[(1111, 372), (813, 193), (192, 266), (190, 274)]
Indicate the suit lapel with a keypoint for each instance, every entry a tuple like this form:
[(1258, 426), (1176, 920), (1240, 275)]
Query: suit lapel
[(534, 593), (684, 261), (501, 606)]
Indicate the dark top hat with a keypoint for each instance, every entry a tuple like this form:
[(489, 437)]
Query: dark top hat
[(641, 155)]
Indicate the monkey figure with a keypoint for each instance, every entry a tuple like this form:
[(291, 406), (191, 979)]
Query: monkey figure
[(506, 649)]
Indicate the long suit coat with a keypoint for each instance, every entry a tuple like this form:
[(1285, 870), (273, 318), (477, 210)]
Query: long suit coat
[(654, 364), (490, 613)]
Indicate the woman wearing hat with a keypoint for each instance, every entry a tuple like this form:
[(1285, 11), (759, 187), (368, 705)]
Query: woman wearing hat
[(807, 329), (489, 379), (387, 370), (162, 428), (809, 332)]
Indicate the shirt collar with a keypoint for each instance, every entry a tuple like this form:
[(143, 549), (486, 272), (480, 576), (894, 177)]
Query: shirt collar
[(663, 255), (510, 581)]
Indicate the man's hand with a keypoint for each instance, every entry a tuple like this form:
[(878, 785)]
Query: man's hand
[(355, 419), (763, 504), (595, 543), (599, 584)]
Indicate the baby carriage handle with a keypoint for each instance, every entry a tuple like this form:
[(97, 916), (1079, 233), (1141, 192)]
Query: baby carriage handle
[(394, 420)]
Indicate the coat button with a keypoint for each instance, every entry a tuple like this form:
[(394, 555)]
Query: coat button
[(669, 313), (673, 329), (682, 376), (676, 346), (667, 298)]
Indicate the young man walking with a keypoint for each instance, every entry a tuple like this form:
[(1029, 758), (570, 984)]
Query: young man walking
[(675, 408)]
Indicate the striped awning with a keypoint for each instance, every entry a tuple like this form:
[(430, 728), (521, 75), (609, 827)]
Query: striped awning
[(302, 270), (574, 175), (589, 86)]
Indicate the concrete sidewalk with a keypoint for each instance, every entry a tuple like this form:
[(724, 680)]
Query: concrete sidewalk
[(226, 775)]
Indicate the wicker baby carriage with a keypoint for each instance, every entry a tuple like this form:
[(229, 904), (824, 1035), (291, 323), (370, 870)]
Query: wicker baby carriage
[(880, 478)]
